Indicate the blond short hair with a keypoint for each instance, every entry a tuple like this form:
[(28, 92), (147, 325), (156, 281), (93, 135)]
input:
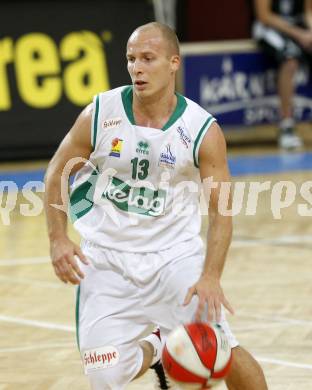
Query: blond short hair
[(168, 34)]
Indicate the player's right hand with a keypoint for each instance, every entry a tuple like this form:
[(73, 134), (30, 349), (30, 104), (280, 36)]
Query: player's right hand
[(64, 254)]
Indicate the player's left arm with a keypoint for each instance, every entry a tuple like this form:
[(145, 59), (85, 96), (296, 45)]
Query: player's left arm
[(213, 171)]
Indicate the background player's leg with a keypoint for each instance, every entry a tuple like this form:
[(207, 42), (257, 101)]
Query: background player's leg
[(286, 86), (245, 372)]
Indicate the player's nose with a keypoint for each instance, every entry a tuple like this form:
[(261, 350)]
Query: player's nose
[(137, 67)]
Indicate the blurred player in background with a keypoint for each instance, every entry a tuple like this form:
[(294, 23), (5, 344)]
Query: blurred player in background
[(284, 30), (141, 258)]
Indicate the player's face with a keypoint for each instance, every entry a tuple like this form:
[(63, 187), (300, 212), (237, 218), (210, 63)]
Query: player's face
[(150, 64)]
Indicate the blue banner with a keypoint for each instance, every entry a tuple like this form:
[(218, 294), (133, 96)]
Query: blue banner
[(239, 88)]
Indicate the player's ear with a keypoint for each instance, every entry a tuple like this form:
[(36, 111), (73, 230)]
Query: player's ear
[(175, 63)]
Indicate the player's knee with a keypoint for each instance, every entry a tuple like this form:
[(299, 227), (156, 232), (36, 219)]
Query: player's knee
[(292, 65), (245, 373)]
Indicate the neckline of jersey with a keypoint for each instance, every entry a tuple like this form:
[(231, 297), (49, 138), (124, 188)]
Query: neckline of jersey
[(127, 100)]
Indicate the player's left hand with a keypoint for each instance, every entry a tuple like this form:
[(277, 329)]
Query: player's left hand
[(209, 292)]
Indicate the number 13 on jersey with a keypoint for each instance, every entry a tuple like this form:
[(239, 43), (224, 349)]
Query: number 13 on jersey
[(139, 168)]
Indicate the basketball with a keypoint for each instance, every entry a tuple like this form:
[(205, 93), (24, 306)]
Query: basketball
[(197, 355)]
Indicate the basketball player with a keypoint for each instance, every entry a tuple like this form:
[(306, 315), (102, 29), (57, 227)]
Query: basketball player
[(284, 30), (136, 205)]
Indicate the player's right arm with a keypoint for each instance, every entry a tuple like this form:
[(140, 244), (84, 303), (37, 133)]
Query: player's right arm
[(271, 19), (75, 145), (308, 13)]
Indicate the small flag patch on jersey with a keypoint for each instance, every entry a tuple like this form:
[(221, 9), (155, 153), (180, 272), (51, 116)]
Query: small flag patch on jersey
[(116, 147)]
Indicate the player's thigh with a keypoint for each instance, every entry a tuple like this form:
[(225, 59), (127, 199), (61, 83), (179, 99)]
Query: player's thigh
[(109, 324), (177, 277), (285, 50), (170, 310)]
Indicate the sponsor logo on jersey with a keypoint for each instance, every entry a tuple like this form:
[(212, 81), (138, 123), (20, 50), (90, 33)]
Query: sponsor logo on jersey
[(100, 358), (116, 147), (142, 148), (184, 137), (110, 123), (139, 200), (167, 159)]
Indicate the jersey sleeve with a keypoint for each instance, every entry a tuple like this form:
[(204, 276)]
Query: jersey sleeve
[(200, 136), (198, 122)]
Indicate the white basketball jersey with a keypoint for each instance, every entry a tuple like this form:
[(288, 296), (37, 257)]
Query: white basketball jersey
[(140, 190)]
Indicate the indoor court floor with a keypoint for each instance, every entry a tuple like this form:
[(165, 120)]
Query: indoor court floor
[(267, 279)]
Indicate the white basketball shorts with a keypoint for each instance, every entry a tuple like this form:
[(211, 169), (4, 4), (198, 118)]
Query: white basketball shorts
[(123, 293)]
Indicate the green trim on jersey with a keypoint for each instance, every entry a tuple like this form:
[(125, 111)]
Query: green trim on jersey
[(77, 315), (127, 100), (81, 199), (179, 110), (95, 121), (200, 137)]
